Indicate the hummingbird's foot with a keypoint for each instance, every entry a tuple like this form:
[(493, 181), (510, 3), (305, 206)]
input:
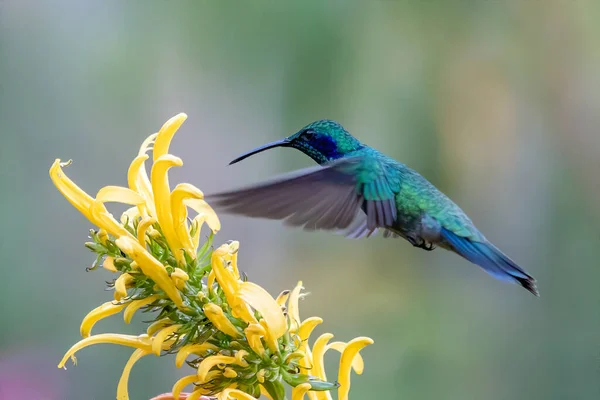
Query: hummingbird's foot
[(421, 243)]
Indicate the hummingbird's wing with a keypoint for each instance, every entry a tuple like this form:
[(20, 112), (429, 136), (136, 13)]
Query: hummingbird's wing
[(327, 198)]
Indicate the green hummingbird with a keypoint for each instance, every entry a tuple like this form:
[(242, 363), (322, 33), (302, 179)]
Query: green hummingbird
[(358, 190)]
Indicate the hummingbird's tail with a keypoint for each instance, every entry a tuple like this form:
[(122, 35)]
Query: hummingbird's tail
[(491, 259)]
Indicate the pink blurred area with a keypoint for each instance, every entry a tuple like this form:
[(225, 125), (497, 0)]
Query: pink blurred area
[(29, 375)]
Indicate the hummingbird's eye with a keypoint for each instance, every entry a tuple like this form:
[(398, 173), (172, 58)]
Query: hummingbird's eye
[(308, 134)]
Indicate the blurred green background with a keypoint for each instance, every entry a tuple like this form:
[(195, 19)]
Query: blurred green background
[(495, 102)]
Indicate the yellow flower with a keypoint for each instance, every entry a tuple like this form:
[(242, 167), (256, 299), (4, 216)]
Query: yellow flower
[(240, 340)]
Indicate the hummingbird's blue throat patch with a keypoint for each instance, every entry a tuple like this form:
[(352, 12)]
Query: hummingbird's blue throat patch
[(326, 145)]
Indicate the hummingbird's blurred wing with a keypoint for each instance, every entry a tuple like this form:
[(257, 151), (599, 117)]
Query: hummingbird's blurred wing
[(327, 198)]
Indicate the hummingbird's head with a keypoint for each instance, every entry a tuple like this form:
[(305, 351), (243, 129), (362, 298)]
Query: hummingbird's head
[(323, 141)]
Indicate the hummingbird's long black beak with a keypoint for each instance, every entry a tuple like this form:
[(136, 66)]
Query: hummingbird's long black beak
[(279, 143)]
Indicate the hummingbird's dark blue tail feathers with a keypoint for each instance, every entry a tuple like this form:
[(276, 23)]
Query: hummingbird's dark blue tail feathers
[(491, 259)]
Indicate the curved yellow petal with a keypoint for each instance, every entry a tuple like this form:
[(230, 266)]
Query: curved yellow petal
[(138, 181), (216, 315), (158, 325), (140, 342), (182, 192), (351, 350), (109, 264), (236, 394), (205, 210), (318, 351), (121, 284), (259, 299), (105, 310), (199, 349), (197, 394), (136, 305), (181, 384), (162, 201), (307, 327), (73, 193), (210, 362), (358, 365), (105, 220), (270, 339), (142, 228), (159, 339), (254, 333), (122, 393), (119, 194), (283, 297), (165, 135), (151, 268), (293, 309), (230, 373), (299, 391)]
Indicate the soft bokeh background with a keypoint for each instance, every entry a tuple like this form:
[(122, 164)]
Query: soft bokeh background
[(495, 102)]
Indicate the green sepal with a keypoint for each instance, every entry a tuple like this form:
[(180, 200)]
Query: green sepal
[(275, 389)]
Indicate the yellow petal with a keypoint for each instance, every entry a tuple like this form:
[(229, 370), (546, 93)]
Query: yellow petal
[(254, 333), (143, 226), (210, 362), (236, 394), (122, 393), (206, 211), (165, 135), (293, 310), (159, 339), (358, 364), (307, 327), (109, 264), (121, 284), (179, 277), (136, 305), (162, 201), (137, 179), (299, 391), (350, 352), (240, 358), (140, 342), (179, 209), (181, 384), (230, 373), (304, 332), (119, 194), (105, 220), (197, 394), (151, 268), (259, 299), (270, 339), (283, 297), (113, 194), (215, 315), (73, 193), (318, 351), (199, 349), (229, 284), (157, 326), (105, 310)]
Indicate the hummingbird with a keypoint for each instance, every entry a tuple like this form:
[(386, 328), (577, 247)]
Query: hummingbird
[(357, 191)]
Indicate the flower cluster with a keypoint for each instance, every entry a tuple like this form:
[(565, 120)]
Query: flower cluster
[(240, 340)]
